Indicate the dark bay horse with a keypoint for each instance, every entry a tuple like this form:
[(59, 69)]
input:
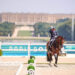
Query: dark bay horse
[(55, 49)]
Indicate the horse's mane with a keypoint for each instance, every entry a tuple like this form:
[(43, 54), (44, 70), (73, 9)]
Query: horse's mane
[(59, 39)]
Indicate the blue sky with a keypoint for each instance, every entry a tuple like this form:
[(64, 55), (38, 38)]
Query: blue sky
[(38, 6)]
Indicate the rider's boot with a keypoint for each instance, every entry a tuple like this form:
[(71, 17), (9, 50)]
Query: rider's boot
[(50, 44)]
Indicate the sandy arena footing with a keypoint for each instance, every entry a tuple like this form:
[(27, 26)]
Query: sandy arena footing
[(11, 65)]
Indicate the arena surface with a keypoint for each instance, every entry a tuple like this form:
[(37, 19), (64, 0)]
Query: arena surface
[(8, 69), (62, 69), (41, 69), (11, 66)]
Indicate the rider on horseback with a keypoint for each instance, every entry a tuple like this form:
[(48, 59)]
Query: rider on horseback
[(53, 34)]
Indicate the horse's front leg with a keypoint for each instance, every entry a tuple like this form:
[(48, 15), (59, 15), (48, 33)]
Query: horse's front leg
[(56, 59)]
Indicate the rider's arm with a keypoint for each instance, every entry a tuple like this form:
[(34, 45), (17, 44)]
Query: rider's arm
[(56, 33)]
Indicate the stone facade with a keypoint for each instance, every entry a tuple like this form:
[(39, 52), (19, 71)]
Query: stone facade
[(30, 19), (27, 19)]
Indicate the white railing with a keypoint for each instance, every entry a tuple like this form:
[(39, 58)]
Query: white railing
[(34, 47)]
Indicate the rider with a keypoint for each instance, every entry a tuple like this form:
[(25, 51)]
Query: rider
[(53, 34)]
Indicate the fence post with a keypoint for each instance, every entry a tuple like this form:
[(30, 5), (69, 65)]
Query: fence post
[(29, 49)]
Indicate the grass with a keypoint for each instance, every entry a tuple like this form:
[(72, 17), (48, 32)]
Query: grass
[(24, 33)]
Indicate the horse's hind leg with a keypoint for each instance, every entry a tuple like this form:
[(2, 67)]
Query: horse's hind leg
[(50, 59), (56, 59)]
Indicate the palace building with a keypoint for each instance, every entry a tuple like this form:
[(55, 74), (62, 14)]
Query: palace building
[(32, 18), (27, 20)]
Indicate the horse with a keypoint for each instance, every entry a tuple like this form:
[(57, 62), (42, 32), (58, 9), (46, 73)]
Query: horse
[(55, 49)]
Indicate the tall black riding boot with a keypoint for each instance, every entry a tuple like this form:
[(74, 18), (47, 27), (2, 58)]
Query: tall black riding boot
[(50, 44)]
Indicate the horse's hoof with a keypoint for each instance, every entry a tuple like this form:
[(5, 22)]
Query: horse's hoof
[(55, 65), (50, 65)]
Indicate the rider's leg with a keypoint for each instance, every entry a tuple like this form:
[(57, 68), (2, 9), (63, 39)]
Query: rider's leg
[(51, 42)]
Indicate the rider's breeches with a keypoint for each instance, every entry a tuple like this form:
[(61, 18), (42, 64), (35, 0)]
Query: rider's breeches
[(51, 41)]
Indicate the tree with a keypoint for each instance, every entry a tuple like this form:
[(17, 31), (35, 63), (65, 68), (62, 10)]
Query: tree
[(6, 28), (62, 20), (41, 28), (65, 31)]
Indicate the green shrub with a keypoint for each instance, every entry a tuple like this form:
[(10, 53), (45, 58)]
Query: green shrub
[(30, 61), (31, 67), (1, 52), (32, 57)]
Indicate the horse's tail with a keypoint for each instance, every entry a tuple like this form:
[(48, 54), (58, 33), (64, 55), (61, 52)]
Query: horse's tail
[(47, 45)]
